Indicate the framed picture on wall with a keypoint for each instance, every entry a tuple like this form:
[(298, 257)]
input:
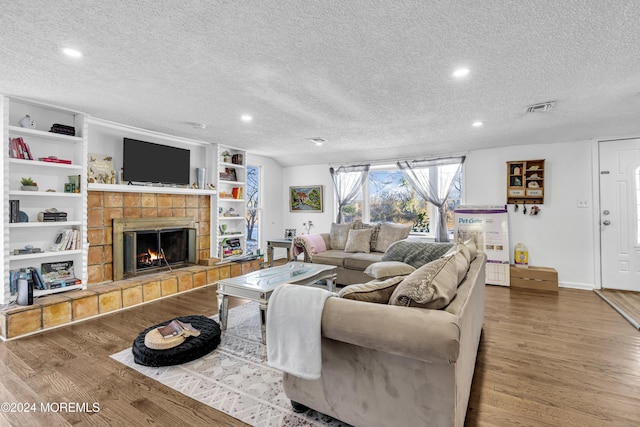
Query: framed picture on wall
[(305, 198), (289, 233)]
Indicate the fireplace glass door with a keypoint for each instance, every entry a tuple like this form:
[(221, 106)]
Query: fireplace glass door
[(150, 250)]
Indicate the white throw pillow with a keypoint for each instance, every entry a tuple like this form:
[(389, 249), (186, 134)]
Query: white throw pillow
[(359, 241), (384, 269)]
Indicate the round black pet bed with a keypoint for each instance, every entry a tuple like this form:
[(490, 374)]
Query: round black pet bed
[(192, 348)]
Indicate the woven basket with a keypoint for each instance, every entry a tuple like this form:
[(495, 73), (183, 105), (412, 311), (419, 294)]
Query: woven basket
[(155, 341)]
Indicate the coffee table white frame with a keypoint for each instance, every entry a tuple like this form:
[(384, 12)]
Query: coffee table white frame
[(259, 285)]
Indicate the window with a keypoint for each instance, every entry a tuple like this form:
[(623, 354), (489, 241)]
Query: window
[(253, 210), (388, 196)]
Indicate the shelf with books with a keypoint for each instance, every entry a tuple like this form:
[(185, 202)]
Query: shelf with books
[(43, 292), (44, 194), (37, 164), (51, 136), (231, 184), (46, 254), (52, 152), (44, 224)]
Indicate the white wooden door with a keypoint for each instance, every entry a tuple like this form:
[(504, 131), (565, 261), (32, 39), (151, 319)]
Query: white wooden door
[(620, 214)]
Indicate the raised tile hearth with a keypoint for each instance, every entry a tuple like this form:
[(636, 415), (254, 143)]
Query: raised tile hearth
[(73, 306)]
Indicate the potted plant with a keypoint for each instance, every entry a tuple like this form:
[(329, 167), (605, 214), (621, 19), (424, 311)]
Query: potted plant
[(28, 184), (420, 224)]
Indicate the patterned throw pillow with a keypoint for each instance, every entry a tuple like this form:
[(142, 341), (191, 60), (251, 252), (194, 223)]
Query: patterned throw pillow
[(391, 233), (377, 291), (359, 241), (359, 225), (431, 286), (338, 235)]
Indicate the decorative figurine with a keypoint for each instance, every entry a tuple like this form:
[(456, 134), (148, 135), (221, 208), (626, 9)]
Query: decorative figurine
[(27, 122)]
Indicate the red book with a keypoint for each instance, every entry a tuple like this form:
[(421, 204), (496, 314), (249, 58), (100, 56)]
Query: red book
[(54, 160)]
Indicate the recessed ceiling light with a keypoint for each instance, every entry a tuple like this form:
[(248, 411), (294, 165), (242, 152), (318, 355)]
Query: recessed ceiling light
[(477, 124), (73, 53), (317, 141), (246, 118), (461, 72)]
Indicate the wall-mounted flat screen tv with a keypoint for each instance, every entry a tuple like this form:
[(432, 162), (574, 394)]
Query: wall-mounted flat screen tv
[(149, 162)]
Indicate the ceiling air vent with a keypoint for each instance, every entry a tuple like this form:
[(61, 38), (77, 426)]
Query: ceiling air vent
[(538, 108)]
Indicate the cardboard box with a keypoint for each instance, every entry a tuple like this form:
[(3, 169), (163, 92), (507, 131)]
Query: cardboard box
[(540, 278)]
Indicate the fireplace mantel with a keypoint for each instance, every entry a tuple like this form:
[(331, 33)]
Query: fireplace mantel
[(150, 189)]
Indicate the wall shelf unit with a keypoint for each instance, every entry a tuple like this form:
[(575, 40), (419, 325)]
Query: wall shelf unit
[(525, 182), (37, 143), (231, 204)]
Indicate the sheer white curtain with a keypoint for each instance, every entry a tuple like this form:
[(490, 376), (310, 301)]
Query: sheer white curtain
[(432, 180), (348, 181)]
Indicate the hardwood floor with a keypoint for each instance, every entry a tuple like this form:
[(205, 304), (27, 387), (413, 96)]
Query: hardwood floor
[(545, 359), (625, 301)]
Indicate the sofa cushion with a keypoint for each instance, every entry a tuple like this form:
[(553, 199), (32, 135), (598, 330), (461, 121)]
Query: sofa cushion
[(376, 291), (338, 235), (461, 256), (360, 261), (473, 250), (431, 286), (459, 247), (359, 225), (384, 269), (414, 253), (330, 257), (359, 241), (390, 233)]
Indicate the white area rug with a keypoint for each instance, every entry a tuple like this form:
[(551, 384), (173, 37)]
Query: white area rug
[(235, 378)]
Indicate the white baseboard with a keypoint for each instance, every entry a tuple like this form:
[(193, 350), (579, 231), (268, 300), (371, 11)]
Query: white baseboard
[(573, 285)]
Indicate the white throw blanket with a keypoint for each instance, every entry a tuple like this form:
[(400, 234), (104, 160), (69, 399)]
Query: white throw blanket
[(294, 317)]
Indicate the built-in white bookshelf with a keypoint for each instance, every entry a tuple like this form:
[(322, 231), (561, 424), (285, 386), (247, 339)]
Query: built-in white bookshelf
[(231, 215), (25, 231)]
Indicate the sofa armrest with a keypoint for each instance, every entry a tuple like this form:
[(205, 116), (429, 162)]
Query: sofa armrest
[(300, 245), (429, 335)]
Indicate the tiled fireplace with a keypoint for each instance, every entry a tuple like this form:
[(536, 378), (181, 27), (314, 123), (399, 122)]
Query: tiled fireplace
[(103, 207)]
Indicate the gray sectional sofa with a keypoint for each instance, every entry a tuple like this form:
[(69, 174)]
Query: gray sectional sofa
[(353, 247), (400, 363)]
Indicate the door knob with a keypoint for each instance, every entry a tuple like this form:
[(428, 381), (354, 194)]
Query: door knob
[(606, 222)]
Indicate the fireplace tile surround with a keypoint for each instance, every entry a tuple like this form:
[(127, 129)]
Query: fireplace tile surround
[(103, 207)]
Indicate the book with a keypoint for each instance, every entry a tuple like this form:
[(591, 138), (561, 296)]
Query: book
[(62, 240), (236, 192), (58, 274), (38, 281), (52, 159), (176, 328)]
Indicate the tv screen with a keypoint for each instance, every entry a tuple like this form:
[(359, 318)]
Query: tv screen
[(149, 162)]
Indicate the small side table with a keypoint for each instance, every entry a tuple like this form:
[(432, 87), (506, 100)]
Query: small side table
[(278, 243)]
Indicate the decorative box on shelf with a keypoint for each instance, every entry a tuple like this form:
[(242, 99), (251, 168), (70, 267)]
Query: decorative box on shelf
[(540, 278)]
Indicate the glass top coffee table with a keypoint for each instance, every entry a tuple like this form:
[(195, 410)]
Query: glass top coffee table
[(259, 285)]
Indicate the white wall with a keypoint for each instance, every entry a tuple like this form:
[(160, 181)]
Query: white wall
[(308, 175), (561, 235)]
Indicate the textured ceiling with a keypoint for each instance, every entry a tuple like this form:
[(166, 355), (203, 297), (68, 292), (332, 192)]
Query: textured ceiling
[(373, 78)]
